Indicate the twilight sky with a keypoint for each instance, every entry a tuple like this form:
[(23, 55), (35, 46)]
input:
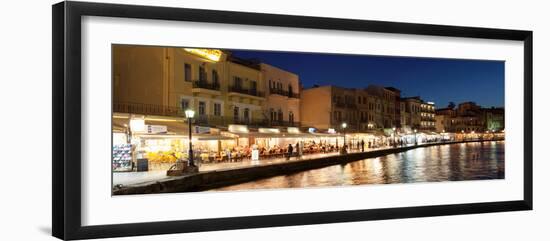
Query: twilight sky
[(437, 80)]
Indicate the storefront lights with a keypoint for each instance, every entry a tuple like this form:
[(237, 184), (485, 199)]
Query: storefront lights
[(137, 125)]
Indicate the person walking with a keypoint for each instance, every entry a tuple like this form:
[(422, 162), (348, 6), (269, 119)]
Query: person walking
[(289, 151), (362, 146)]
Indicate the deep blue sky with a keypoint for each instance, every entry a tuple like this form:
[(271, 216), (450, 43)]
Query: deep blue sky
[(437, 80)]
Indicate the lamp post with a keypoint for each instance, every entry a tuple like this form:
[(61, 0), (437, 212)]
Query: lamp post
[(415, 141), (394, 137), (344, 125), (189, 114)]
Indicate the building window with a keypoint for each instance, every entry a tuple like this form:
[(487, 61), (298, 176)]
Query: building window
[(202, 74), (253, 86), (184, 104), (280, 115), (290, 90), (246, 115), (202, 108), (236, 114), (273, 115), (187, 72), (291, 117), (215, 78), (217, 109), (237, 82)]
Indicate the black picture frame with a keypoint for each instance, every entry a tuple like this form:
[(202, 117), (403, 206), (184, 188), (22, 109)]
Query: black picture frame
[(66, 128)]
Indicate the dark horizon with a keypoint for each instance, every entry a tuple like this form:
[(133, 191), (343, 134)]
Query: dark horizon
[(433, 79)]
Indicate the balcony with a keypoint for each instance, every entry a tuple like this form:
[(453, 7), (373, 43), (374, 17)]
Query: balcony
[(213, 120), (345, 105), (146, 109), (284, 123), (205, 85), (427, 118), (244, 91), (288, 94)]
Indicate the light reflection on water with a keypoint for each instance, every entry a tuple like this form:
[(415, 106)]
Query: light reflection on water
[(455, 162)]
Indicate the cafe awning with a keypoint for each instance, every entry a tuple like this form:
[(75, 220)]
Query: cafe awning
[(173, 125)]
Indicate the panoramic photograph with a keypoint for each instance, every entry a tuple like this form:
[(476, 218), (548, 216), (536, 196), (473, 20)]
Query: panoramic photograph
[(189, 119)]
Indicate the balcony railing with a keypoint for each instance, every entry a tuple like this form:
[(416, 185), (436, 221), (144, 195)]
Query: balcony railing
[(427, 118), (345, 105), (206, 120), (284, 93), (242, 90), (206, 85), (146, 109), (213, 120), (284, 123)]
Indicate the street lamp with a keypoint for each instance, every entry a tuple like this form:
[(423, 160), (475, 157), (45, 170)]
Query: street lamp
[(415, 140), (344, 125), (189, 114), (394, 137)]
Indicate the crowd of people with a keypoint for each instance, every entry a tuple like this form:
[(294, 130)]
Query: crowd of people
[(240, 153)]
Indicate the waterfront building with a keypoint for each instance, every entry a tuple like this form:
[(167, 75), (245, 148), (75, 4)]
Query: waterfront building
[(419, 114), (165, 81), (283, 96), (444, 119), (494, 119), (427, 116), (387, 105), (469, 117), (325, 107)]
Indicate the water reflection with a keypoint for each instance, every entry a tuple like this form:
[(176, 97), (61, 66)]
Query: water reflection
[(456, 162)]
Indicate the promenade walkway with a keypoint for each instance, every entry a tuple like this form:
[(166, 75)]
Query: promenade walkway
[(128, 178)]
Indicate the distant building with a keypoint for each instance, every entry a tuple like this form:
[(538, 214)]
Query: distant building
[(328, 106), (388, 105), (443, 119), (419, 114), (469, 117)]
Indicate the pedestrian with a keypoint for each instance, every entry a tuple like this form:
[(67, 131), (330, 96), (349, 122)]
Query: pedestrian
[(362, 146), (289, 151), (298, 148)]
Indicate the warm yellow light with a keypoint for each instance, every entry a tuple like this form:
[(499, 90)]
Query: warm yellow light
[(189, 113), (344, 125), (160, 119), (210, 54)]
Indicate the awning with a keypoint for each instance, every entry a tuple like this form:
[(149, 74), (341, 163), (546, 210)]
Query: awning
[(173, 125)]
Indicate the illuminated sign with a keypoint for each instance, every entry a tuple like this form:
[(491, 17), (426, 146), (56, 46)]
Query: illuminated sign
[(202, 129), (137, 125), (210, 54), (293, 130), (238, 128), (268, 130), (156, 129), (331, 131)]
